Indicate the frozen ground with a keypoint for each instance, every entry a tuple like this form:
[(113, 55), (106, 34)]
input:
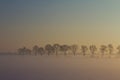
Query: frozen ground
[(16, 67)]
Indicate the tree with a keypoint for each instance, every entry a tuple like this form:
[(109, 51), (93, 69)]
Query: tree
[(28, 51), (41, 51), (110, 48), (35, 49), (118, 48), (49, 48), (64, 49), (22, 51), (84, 49), (56, 48), (74, 48), (103, 49), (93, 49)]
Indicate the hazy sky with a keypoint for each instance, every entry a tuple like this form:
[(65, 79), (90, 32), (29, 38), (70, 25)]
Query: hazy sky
[(30, 22)]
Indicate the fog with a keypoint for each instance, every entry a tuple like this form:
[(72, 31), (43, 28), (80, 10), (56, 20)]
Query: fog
[(51, 67)]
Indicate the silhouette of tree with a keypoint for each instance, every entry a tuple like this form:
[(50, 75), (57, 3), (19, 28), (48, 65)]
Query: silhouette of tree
[(49, 48), (28, 51), (84, 49), (103, 49), (74, 48), (56, 48), (22, 51), (93, 49), (64, 49), (35, 49), (118, 48), (110, 48), (41, 51)]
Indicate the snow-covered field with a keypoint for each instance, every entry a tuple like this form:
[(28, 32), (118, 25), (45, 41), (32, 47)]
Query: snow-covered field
[(52, 67)]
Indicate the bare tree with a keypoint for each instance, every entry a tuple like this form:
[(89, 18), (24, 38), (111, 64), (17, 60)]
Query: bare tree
[(41, 51), (118, 48), (103, 49), (110, 49), (64, 49), (35, 49), (84, 49), (22, 51), (28, 51), (74, 49), (93, 49), (56, 48), (49, 48)]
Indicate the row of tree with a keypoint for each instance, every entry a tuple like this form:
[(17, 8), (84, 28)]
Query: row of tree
[(65, 49)]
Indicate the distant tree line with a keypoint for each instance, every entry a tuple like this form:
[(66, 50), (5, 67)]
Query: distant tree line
[(58, 49)]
